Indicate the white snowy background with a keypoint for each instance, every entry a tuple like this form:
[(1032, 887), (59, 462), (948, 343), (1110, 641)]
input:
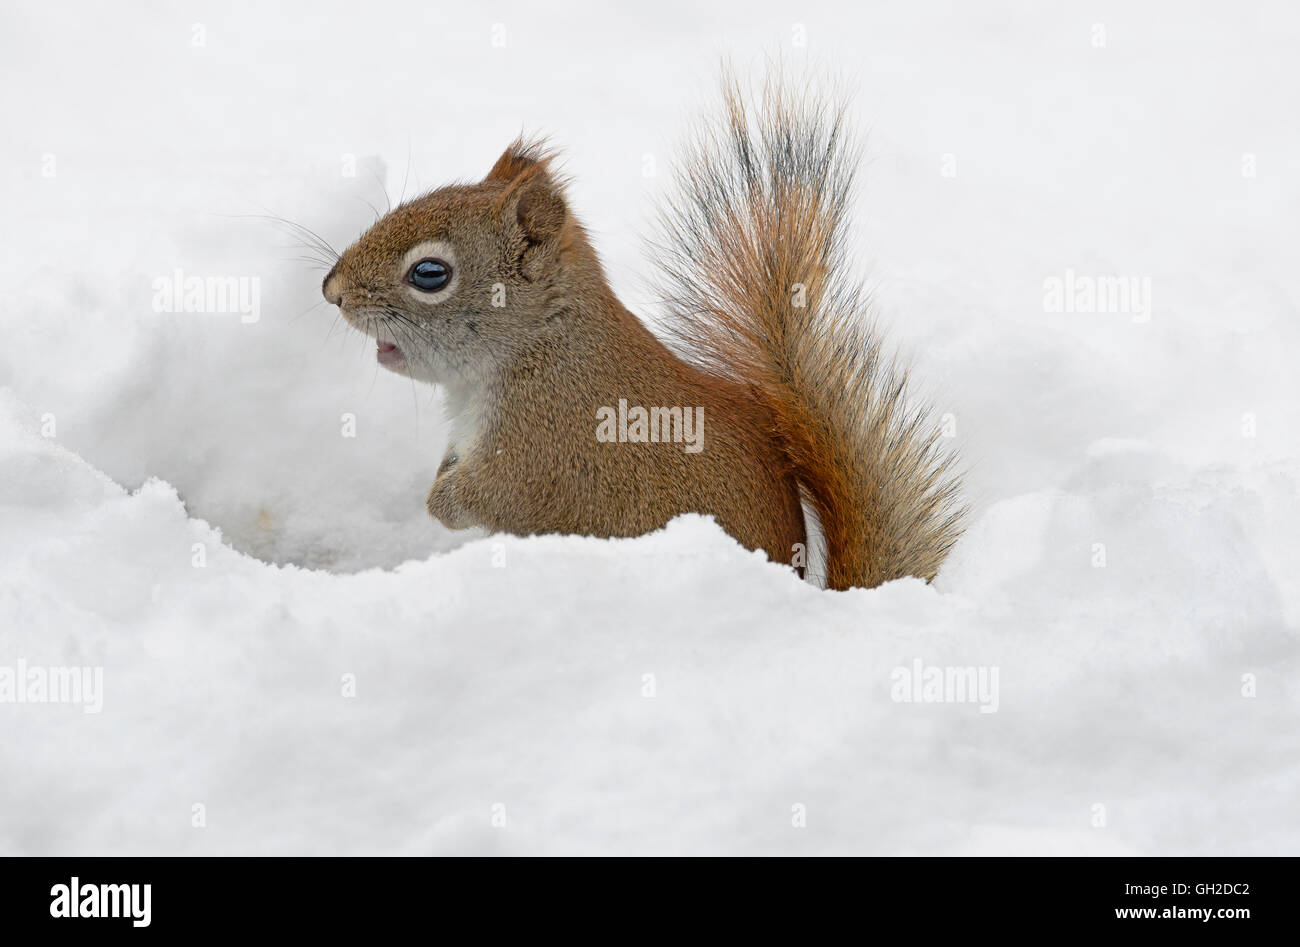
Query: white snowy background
[(500, 684)]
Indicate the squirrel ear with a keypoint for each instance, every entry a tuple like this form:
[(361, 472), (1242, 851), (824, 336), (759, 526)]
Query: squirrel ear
[(533, 213), (538, 207), (532, 199)]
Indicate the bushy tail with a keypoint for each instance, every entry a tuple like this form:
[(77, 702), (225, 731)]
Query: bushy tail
[(757, 289)]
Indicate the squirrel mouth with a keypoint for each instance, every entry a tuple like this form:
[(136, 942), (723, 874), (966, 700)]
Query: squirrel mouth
[(387, 353)]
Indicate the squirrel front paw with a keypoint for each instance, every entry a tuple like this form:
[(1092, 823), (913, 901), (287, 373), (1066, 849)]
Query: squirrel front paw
[(444, 506)]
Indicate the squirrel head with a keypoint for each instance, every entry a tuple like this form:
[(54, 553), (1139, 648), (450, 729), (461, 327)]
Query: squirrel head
[(454, 283)]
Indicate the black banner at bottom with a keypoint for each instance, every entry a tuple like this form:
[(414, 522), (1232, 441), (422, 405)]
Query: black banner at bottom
[(142, 897)]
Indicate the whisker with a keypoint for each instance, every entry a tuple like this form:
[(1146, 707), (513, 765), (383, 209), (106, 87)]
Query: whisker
[(382, 187), (372, 206), (313, 262), (407, 175), (307, 310), (311, 238)]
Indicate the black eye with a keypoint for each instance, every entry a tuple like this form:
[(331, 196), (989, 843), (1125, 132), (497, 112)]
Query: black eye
[(430, 275)]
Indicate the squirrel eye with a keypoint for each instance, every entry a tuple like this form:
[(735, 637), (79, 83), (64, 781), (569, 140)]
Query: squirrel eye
[(430, 275)]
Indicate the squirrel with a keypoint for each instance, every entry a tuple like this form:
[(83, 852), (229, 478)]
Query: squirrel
[(568, 415)]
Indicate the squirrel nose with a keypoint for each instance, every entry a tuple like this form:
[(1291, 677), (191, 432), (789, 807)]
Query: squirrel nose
[(330, 288)]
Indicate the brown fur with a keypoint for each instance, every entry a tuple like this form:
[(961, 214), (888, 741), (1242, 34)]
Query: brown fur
[(790, 398)]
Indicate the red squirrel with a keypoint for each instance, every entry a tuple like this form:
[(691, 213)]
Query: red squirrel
[(569, 416)]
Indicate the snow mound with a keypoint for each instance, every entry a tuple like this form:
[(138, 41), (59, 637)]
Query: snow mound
[(672, 693)]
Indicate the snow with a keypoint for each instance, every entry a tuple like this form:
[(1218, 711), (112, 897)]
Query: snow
[(288, 642)]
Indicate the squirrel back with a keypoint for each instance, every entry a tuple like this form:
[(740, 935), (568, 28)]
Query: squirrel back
[(569, 415)]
